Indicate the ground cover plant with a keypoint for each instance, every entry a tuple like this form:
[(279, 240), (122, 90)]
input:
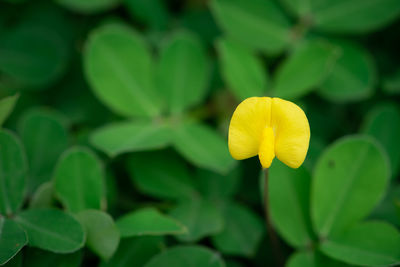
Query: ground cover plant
[(114, 118)]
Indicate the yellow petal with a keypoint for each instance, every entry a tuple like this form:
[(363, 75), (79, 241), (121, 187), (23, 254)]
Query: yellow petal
[(292, 132), (247, 125), (267, 148)]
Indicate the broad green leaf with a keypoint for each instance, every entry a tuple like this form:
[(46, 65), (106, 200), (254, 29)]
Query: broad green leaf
[(183, 256), (355, 16), (45, 137), (15, 261), (260, 24), (388, 209), (170, 179), (301, 8), (148, 221), (88, 6), (124, 137), (182, 72), (304, 69), (79, 180), (118, 66), (301, 259), (366, 244), (40, 258), (43, 196), (154, 13), (201, 217), (135, 251), (353, 76), (12, 239), (6, 106), (350, 179), (242, 233), (203, 147), (383, 123), (13, 173), (242, 70), (52, 230), (391, 83), (216, 186), (289, 200), (102, 235), (33, 53), (313, 259)]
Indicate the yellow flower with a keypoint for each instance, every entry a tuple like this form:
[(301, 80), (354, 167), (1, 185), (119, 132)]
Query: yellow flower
[(269, 127)]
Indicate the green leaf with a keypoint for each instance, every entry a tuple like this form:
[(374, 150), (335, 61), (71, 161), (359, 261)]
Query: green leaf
[(391, 83), (242, 70), (52, 230), (300, 8), (13, 173), (356, 16), (33, 53), (259, 24), (6, 107), (242, 233), (16, 261), (182, 72), (102, 235), (154, 13), (79, 180), (352, 78), (12, 239), (289, 198), (40, 258), (135, 251), (366, 244), (170, 179), (304, 69), (123, 137), (88, 6), (183, 256), (203, 147), (148, 221), (350, 179), (45, 137), (216, 186), (300, 259), (383, 123), (388, 209), (313, 259), (118, 66), (201, 217), (43, 196)]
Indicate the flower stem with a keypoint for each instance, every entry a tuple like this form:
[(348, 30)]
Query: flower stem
[(276, 247)]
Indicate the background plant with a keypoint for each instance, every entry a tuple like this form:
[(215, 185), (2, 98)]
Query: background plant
[(114, 117)]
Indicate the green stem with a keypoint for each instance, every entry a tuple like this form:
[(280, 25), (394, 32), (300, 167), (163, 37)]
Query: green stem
[(274, 240)]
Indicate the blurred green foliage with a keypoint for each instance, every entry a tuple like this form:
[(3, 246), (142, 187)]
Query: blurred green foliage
[(114, 116)]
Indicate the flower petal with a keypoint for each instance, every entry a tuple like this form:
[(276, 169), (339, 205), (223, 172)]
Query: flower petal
[(266, 152), (292, 132), (247, 126)]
